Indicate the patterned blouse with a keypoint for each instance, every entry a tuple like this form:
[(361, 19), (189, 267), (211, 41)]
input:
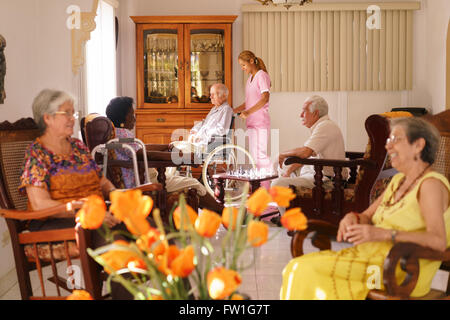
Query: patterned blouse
[(124, 154), (65, 177)]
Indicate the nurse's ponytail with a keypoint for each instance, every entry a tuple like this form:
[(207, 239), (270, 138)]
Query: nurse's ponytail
[(248, 55)]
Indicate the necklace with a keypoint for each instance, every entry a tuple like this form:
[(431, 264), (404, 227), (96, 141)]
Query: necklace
[(388, 203)]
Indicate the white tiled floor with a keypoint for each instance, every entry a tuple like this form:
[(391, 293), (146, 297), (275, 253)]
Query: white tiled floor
[(261, 282)]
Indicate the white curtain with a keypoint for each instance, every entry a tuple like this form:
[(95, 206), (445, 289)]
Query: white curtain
[(101, 81)]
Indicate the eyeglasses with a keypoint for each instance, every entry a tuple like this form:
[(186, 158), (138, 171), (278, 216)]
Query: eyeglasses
[(394, 139), (68, 114)]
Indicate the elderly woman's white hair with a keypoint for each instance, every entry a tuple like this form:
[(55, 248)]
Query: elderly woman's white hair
[(48, 101), (318, 103)]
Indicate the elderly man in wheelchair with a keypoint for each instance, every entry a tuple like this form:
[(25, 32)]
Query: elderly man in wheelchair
[(210, 141), (216, 124)]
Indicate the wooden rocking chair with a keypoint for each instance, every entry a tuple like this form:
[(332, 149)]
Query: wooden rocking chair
[(35, 250), (330, 201)]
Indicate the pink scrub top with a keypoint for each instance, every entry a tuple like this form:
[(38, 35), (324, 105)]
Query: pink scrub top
[(253, 92)]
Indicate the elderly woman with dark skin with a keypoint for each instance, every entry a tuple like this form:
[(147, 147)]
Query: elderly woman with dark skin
[(121, 112), (59, 168), (413, 208)]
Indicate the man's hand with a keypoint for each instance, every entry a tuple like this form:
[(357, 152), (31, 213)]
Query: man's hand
[(281, 159), (291, 168)]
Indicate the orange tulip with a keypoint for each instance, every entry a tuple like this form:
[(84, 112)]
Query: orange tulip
[(226, 216), (146, 241), (237, 296), (183, 264), (294, 219), (79, 295), (165, 259), (281, 195), (177, 217), (207, 223), (257, 233), (155, 297), (92, 213), (132, 208), (258, 201), (222, 282), (136, 264), (117, 259)]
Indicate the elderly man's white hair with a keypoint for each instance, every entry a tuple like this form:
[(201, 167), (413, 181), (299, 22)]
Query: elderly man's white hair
[(318, 103), (222, 89)]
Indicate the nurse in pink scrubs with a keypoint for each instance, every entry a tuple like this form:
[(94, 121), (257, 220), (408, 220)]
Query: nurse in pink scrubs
[(255, 109)]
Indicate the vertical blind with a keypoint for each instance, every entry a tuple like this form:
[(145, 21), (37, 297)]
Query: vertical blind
[(328, 47)]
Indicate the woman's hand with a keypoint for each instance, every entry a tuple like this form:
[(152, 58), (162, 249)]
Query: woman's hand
[(244, 114), (360, 233), (350, 218), (110, 220)]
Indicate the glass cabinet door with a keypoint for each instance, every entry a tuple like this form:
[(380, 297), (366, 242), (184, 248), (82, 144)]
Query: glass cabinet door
[(163, 74), (206, 55)]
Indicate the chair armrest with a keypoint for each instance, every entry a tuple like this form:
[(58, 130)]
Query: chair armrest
[(324, 232), (148, 187), (331, 162), (156, 147), (168, 156), (408, 255), (354, 155), (39, 214)]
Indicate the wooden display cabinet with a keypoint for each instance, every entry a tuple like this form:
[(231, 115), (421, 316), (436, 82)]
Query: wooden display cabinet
[(178, 58)]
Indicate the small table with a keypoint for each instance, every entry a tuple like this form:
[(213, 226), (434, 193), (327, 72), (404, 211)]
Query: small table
[(219, 182)]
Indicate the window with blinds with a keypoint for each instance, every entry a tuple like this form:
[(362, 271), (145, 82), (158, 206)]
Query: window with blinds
[(328, 47)]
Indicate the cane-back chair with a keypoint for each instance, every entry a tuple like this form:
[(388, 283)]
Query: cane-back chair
[(36, 250), (405, 254)]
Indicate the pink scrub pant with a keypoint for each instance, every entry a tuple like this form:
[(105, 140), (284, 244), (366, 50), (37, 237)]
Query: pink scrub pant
[(258, 139)]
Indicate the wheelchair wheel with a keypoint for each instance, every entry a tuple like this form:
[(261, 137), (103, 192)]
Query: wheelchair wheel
[(226, 158)]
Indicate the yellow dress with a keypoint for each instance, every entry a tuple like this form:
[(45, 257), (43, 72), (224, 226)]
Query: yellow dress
[(350, 273)]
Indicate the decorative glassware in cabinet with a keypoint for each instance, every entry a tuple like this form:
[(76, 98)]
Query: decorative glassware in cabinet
[(160, 70), (206, 62)]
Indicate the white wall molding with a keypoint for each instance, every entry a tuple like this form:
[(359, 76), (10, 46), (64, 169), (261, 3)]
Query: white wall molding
[(332, 6)]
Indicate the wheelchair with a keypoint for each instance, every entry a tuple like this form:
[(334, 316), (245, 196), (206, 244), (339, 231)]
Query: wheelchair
[(222, 156)]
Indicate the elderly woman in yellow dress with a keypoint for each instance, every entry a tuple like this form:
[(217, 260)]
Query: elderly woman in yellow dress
[(414, 208)]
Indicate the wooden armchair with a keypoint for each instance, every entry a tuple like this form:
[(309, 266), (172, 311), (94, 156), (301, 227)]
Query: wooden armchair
[(98, 129), (35, 250), (405, 254), (330, 201)]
